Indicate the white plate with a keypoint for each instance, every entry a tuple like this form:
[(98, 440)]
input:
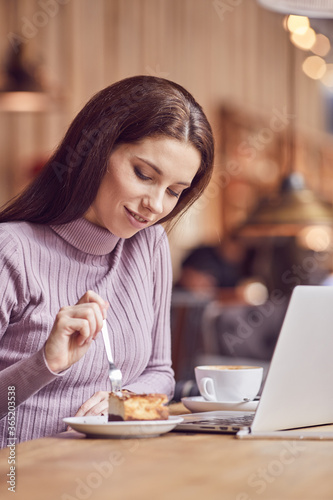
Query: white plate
[(198, 403), (101, 428)]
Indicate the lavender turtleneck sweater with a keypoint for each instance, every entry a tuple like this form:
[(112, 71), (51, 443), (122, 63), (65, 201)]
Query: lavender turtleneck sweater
[(43, 268)]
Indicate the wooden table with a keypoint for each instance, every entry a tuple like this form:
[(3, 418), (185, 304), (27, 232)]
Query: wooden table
[(175, 466)]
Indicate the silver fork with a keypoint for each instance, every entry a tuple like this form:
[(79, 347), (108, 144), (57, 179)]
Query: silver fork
[(115, 374)]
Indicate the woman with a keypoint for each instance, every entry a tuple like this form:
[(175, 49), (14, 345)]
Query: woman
[(81, 244)]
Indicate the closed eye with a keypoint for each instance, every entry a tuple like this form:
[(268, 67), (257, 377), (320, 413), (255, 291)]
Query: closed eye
[(140, 175), (144, 177), (173, 193)]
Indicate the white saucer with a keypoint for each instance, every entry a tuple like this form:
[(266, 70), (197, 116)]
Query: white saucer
[(99, 427), (198, 403)]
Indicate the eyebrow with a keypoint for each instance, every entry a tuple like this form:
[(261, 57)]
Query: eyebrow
[(159, 172)]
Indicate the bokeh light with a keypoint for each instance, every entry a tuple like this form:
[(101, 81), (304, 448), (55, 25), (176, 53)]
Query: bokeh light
[(316, 238), (304, 41), (297, 24), (314, 67), (327, 78), (255, 293), (322, 45)]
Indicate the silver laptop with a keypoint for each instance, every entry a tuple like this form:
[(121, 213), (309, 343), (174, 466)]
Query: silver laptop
[(298, 389)]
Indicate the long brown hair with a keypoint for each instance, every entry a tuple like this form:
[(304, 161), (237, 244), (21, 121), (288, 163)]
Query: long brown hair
[(125, 112)]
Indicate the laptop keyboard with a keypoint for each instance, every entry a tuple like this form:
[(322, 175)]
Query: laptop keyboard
[(243, 421)]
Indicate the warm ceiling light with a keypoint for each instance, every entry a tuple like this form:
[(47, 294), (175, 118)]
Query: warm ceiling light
[(24, 101), (304, 41), (327, 78), (322, 45), (255, 293), (314, 67), (316, 238), (298, 24)]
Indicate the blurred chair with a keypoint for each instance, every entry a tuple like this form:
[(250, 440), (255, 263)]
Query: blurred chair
[(209, 332), (186, 331)]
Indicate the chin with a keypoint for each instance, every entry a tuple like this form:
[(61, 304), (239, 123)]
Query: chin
[(125, 234)]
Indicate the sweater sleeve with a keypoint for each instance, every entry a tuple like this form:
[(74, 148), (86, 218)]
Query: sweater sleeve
[(26, 374), (158, 375)]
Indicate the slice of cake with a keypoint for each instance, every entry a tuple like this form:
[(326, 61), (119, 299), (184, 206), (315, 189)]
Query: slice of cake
[(125, 405)]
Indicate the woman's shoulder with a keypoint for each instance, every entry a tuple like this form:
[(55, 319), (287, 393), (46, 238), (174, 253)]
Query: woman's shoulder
[(152, 236), (147, 243), (19, 232), (10, 241), (10, 230), (16, 228)]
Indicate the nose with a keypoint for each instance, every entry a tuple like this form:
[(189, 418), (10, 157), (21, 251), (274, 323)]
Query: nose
[(154, 201)]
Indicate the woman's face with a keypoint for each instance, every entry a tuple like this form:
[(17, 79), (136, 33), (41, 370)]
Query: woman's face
[(143, 183)]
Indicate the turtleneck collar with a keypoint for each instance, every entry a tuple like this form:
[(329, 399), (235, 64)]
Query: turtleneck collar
[(87, 237)]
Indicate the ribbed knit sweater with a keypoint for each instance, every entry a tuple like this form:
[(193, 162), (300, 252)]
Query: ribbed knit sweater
[(43, 268)]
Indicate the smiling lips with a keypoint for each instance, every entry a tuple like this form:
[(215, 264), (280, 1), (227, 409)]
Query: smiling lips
[(137, 217)]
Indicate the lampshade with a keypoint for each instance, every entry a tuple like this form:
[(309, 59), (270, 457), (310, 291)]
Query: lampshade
[(292, 208), (311, 8), (22, 88)]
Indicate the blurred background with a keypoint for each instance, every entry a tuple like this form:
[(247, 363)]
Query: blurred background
[(263, 72)]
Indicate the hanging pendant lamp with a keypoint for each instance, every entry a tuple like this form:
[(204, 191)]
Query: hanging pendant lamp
[(294, 206), (22, 88)]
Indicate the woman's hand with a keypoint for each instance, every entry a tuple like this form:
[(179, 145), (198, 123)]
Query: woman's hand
[(98, 404), (74, 329)]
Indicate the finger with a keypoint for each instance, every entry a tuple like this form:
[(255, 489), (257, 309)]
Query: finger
[(58, 351), (82, 327), (97, 319), (91, 296), (99, 398), (89, 312), (92, 401), (70, 321), (69, 429), (101, 408)]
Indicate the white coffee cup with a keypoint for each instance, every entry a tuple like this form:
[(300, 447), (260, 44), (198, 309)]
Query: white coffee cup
[(228, 383)]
